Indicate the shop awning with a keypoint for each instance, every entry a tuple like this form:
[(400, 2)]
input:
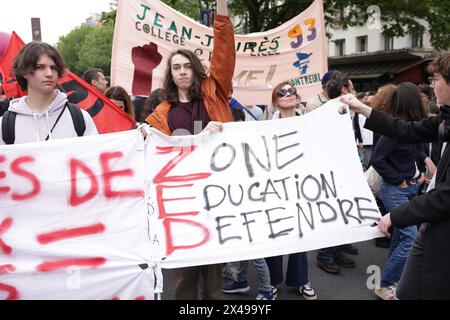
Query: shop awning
[(375, 69)]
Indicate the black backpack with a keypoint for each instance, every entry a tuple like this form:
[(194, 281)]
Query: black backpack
[(9, 123)]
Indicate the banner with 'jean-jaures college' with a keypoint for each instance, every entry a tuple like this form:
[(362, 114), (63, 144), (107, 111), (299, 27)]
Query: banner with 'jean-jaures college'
[(146, 32)]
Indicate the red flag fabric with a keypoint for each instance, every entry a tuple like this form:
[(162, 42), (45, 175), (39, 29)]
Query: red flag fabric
[(10, 85), (107, 116)]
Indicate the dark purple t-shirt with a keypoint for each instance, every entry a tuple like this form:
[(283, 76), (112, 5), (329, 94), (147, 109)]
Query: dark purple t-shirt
[(184, 115)]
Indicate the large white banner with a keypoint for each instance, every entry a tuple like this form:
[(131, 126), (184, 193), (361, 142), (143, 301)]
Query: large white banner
[(259, 189), (95, 217), (73, 222), (146, 32)]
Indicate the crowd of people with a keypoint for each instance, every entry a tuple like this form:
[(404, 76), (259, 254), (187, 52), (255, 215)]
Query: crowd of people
[(401, 130)]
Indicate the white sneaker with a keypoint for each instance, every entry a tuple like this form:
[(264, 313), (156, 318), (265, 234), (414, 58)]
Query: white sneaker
[(386, 293), (265, 296), (274, 292), (307, 292)]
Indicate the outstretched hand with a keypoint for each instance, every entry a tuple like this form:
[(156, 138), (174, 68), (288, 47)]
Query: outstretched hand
[(385, 224), (356, 105)]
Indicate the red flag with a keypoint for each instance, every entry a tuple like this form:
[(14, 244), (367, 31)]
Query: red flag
[(107, 116), (10, 85)]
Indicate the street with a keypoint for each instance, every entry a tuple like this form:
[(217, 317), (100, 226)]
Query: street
[(350, 284)]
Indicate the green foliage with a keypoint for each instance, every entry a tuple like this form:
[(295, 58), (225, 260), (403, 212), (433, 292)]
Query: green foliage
[(268, 14), (70, 47), (190, 8), (399, 17), (109, 17), (86, 46), (96, 49)]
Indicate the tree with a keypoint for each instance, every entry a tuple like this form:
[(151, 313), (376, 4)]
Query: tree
[(268, 14), (190, 8), (70, 47), (398, 17), (96, 49), (86, 46), (109, 17)]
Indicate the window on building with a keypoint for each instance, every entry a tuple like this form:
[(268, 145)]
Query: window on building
[(388, 43), (361, 44), (339, 47), (416, 39)]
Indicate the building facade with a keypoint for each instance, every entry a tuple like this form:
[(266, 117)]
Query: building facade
[(370, 59)]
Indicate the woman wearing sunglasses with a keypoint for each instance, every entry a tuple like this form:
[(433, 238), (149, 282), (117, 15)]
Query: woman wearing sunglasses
[(287, 102)]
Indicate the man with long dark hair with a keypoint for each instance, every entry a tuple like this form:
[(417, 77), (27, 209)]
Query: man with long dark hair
[(193, 99), (190, 95)]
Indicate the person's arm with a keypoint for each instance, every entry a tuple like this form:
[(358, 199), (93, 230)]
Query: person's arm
[(430, 166), (420, 154), (223, 58), (356, 105), (431, 207), (402, 131), (222, 7)]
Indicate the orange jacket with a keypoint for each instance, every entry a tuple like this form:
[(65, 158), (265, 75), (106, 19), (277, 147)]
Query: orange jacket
[(217, 86)]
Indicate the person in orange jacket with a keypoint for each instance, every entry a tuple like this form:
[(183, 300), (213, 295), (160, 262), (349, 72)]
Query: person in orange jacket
[(191, 96), (189, 93)]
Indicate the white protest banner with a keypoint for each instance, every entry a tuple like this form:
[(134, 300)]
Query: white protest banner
[(73, 222), (259, 189), (146, 32)]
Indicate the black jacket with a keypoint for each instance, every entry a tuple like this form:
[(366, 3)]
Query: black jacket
[(394, 161), (433, 208)]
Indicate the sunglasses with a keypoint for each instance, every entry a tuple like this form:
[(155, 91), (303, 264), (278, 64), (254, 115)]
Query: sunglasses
[(283, 92)]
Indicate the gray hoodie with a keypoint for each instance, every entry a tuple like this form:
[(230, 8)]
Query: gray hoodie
[(31, 127)]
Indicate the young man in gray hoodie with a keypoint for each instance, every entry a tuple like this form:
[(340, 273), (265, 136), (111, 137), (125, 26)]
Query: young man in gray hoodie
[(44, 113)]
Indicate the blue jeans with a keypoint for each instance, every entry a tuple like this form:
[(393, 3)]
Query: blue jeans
[(262, 271), (297, 270), (402, 239)]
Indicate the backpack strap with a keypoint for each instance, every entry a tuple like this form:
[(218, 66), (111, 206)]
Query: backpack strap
[(8, 127), (77, 118), (250, 113)]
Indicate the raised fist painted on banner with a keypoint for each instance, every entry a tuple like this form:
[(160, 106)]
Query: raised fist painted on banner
[(145, 60)]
